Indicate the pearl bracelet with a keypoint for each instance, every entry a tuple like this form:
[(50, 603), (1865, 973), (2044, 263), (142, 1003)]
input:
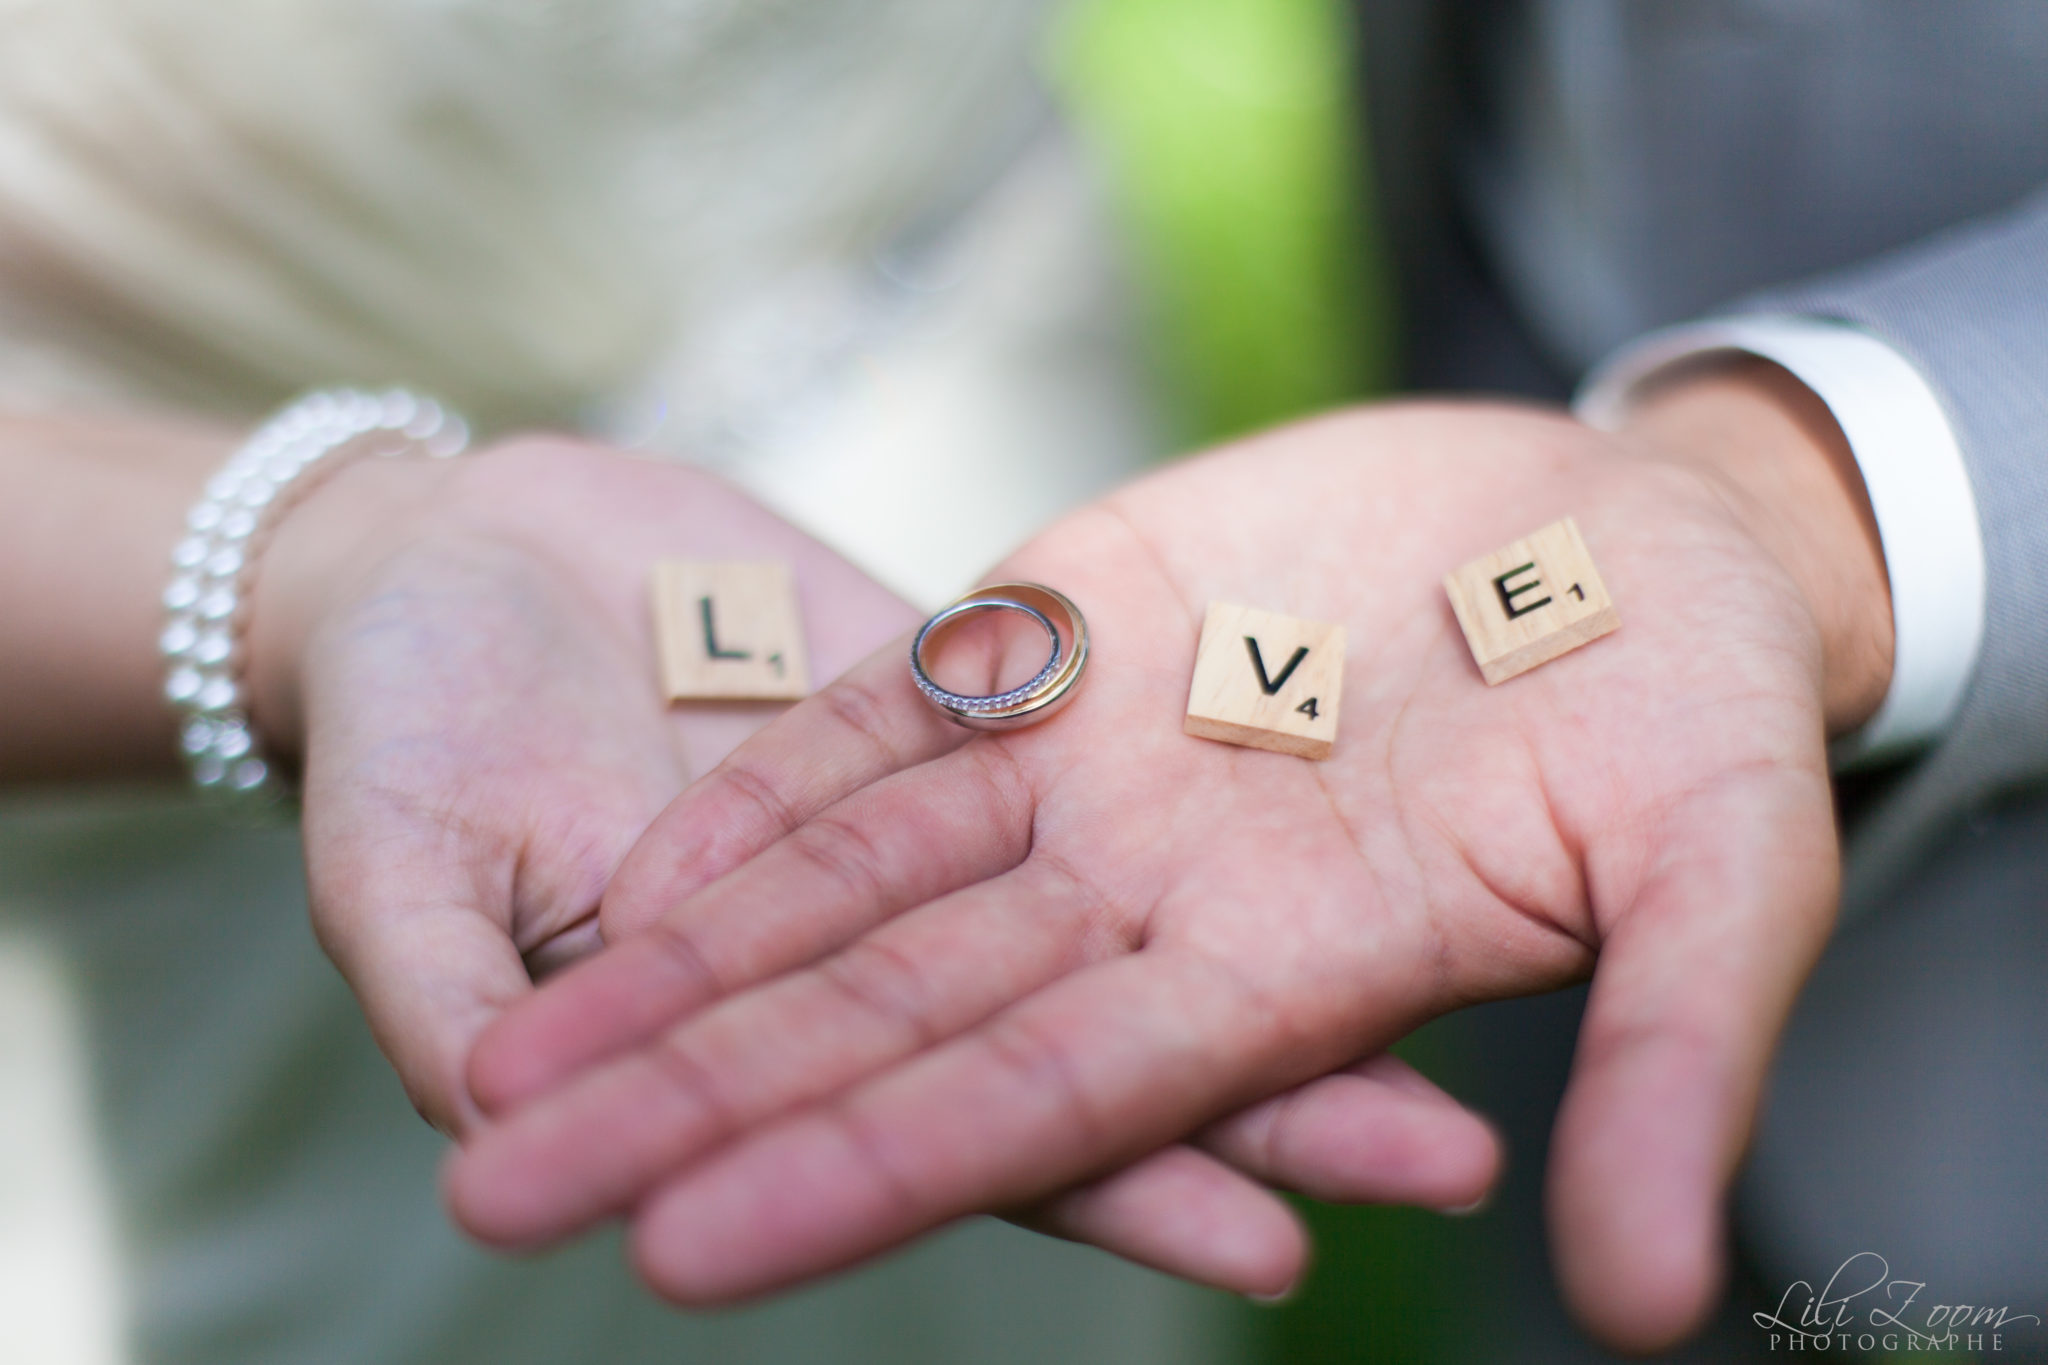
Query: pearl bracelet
[(213, 567)]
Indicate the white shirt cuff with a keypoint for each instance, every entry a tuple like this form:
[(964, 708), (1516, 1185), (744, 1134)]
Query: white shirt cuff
[(1919, 489)]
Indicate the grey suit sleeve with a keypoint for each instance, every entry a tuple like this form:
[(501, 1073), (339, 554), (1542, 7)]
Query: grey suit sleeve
[(1969, 308)]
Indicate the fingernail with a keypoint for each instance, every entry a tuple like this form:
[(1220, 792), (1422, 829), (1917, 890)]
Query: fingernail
[(1274, 1300), (1467, 1210), (444, 1129)]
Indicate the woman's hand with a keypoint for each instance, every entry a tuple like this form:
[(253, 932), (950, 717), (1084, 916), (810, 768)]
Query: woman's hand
[(465, 649), (462, 652), (946, 973)]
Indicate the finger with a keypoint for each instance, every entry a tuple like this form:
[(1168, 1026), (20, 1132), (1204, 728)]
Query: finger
[(1376, 1133), (1691, 992), (1183, 1212), (870, 723), (404, 921), (562, 950), (1112, 1061), (905, 840), (593, 1147), (899, 843)]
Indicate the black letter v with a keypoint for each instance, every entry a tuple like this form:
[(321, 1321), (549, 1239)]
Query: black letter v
[(1272, 685)]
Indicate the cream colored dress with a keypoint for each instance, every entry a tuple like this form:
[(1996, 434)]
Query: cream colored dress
[(837, 248)]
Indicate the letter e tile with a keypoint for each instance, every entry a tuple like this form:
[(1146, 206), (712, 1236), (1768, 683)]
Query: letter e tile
[(1529, 602), (1267, 681), (729, 632)]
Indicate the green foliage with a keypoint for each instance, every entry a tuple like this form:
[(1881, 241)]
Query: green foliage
[(1230, 133)]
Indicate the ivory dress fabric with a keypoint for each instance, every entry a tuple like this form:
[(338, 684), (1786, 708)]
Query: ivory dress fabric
[(837, 248)]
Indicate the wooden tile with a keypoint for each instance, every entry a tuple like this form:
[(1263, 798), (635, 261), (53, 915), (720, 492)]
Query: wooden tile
[(1267, 681), (1529, 602), (729, 632)]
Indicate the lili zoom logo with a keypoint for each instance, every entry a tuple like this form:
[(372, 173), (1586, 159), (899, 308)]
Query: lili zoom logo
[(1862, 1308)]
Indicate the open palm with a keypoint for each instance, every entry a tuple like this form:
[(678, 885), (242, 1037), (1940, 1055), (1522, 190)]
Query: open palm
[(484, 742), (957, 974)]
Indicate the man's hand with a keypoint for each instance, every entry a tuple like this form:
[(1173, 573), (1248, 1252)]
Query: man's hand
[(465, 649), (953, 974)]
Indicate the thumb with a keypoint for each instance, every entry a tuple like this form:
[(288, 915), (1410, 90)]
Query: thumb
[(1693, 987)]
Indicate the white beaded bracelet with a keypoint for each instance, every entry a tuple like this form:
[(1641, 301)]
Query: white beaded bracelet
[(214, 566)]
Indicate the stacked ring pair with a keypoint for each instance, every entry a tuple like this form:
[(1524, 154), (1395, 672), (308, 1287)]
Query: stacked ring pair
[(1047, 691)]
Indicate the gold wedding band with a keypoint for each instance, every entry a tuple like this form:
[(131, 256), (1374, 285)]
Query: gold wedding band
[(1047, 691)]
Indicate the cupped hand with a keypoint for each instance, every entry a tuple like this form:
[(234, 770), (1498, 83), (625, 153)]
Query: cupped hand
[(462, 654), (958, 974), (465, 649)]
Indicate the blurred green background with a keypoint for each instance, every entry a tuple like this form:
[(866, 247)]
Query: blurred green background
[(1229, 135)]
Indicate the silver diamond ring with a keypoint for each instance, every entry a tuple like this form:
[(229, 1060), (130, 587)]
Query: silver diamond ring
[(1029, 702)]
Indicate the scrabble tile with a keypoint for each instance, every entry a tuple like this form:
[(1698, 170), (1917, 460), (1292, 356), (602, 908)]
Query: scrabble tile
[(729, 632), (1529, 602), (1267, 681)]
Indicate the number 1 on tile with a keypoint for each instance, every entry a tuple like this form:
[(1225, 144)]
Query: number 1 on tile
[(1529, 602)]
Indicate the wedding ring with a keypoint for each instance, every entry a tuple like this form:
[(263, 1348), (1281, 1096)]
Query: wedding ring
[(1030, 702)]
